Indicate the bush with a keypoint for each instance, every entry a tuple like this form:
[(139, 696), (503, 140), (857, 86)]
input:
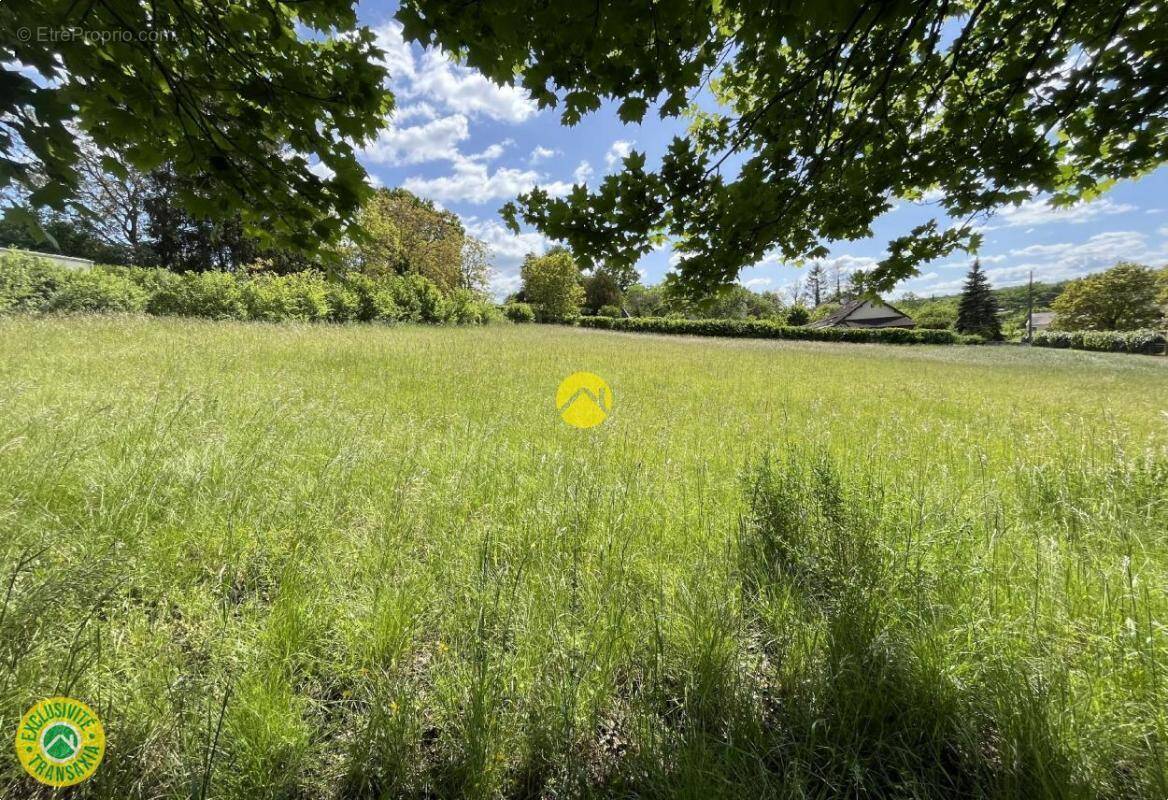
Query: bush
[(301, 296), (1146, 341), (768, 329), (798, 315), (27, 283), (519, 312), (30, 284), (343, 303), (214, 295), (375, 299), (92, 291), (468, 308), (610, 311), (419, 299)]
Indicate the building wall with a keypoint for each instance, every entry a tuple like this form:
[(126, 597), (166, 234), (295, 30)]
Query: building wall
[(64, 261)]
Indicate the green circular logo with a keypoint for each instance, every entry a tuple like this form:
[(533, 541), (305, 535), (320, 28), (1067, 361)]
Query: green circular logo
[(60, 741)]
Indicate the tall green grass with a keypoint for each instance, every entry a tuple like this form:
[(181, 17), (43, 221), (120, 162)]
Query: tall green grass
[(312, 561)]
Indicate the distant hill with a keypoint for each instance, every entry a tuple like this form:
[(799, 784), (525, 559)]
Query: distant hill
[(1011, 300)]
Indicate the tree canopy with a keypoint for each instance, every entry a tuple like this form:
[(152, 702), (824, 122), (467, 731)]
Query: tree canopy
[(1121, 299), (240, 99), (825, 114)]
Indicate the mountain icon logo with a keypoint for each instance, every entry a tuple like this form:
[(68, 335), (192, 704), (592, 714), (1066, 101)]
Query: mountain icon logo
[(584, 400), (60, 741)]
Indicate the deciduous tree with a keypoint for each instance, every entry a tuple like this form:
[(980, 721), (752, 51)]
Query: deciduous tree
[(827, 113), (551, 283), (245, 96), (1121, 299)]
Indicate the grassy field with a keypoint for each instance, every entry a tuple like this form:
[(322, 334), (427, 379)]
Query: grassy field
[(340, 562)]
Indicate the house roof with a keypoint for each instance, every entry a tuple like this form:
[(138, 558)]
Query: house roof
[(895, 318)]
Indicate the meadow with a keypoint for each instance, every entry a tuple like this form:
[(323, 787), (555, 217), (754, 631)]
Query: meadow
[(314, 561)]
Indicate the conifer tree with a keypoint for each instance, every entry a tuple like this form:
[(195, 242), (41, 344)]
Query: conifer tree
[(977, 312)]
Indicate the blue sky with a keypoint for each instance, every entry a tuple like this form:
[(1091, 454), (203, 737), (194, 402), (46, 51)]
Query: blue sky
[(471, 146)]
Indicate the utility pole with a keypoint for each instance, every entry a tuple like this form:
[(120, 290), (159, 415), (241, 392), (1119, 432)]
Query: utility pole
[(1030, 309)]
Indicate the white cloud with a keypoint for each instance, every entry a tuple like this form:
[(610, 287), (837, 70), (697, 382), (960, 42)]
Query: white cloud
[(431, 141), (1163, 231), (1039, 212), (472, 182), (322, 170), (1055, 262), (504, 283), (582, 172), (492, 152), (541, 153), (508, 247), (755, 283), (415, 111), (436, 77), (617, 152), (399, 59), (507, 251)]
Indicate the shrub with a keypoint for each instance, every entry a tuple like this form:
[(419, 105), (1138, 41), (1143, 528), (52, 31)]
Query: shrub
[(768, 329), (27, 283), (610, 311), (34, 284), (93, 291), (214, 295), (418, 298), (343, 302), (375, 298), (467, 308), (519, 312), (301, 296), (1145, 341), (798, 315)]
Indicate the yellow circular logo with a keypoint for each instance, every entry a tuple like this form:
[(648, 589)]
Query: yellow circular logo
[(60, 741), (584, 400)]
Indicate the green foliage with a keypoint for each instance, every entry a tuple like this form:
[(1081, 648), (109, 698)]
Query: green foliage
[(645, 301), (519, 312), (406, 235), (600, 289), (419, 299), (977, 311), (798, 315), (609, 311), (243, 96), (31, 285), (1147, 342), (623, 275), (551, 283), (770, 329), (27, 283), (934, 315), (214, 295), (824, 310), (376, 298), (829, 113), (343, 302), (300, 297), (1121, 299), (93, 291)]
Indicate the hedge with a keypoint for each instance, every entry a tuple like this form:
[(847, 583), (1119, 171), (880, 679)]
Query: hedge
[(767, 329), (1146, 342), (29, 284)]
